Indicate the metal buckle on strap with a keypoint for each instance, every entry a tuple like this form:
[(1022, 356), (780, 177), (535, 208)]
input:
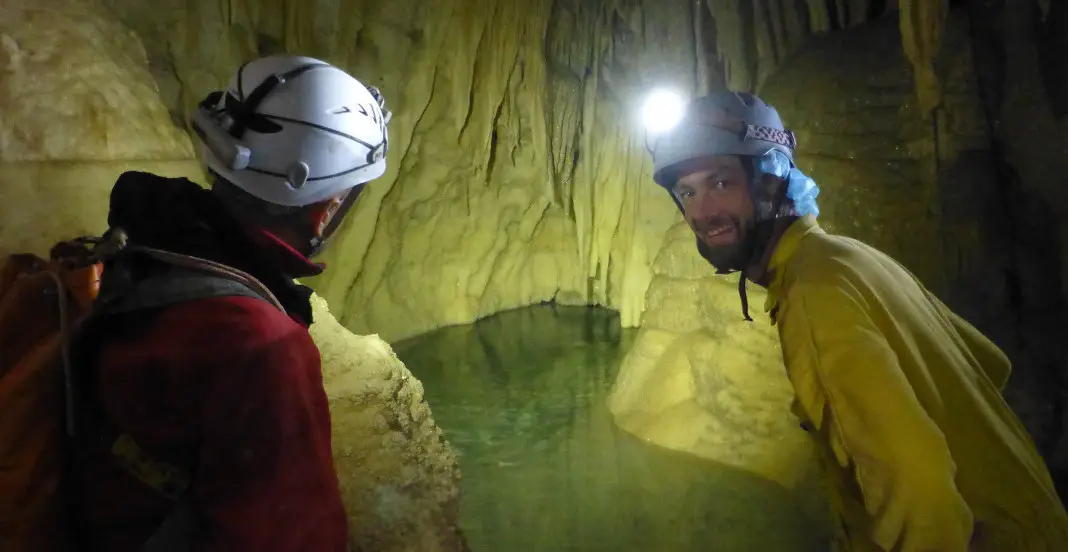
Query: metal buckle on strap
[(166, 479)]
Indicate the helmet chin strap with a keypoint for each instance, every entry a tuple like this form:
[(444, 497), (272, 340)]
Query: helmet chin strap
[(317, 243), (757, 246)]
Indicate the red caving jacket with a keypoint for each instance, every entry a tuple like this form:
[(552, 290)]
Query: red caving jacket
[(230, 387)]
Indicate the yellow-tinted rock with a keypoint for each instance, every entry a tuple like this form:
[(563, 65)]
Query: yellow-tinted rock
[(487, 203), (42, 202), (74, 86), (77, 108), (712, 386), (702, 380), (399, 478)]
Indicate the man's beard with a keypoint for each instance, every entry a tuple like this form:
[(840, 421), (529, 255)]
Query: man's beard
[(724, 258), (727, 258)]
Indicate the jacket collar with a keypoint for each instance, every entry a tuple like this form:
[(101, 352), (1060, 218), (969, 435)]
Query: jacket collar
[(290, 261), (784, 253), (177, 215)]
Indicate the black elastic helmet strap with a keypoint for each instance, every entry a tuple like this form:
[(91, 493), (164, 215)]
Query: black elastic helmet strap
[(763, 229), (316, 244), (243, 108)]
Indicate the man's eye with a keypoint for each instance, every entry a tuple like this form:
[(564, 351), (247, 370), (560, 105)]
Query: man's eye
[(685, 193), (720, 184)]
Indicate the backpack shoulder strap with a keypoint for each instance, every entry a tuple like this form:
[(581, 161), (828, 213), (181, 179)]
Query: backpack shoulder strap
[(170, 287), (181, 278)]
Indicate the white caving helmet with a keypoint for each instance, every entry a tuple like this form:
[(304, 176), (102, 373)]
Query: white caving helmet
[(293, 131)]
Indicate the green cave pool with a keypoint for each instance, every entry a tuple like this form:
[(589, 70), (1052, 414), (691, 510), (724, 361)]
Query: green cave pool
[(521, 397)]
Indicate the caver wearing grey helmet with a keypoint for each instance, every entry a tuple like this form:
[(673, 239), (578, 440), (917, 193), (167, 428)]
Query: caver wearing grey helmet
[(902, 397), (732, 147)]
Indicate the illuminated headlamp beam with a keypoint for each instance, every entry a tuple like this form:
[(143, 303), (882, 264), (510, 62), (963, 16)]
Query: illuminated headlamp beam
[(663, 110)]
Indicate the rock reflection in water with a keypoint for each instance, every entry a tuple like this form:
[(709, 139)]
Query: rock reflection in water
[(521, 396)]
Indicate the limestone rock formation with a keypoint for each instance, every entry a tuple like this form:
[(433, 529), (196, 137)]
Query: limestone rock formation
[(754, 38), (889, 175), (1023, 78), (517, 171), (78, 106), (399, 477), (514, 172), (702, 380)]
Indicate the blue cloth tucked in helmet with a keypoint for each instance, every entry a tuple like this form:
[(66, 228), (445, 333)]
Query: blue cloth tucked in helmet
[(775, 163), (802, 190)]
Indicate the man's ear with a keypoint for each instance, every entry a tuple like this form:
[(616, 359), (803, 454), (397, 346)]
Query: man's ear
[(321, 213)]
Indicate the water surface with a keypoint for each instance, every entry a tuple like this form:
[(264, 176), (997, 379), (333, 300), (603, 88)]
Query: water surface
[(521, 397)]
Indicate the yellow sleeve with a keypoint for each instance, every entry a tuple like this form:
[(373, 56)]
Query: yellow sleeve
[(846, 375)]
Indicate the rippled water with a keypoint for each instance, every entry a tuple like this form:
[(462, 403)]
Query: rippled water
[(521, 396)]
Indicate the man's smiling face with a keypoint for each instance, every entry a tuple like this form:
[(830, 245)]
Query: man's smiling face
[(714, 193)]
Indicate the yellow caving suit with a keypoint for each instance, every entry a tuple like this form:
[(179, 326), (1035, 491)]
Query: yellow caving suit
[(920, 451)]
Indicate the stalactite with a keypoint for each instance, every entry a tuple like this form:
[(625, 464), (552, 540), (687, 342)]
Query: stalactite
[(858, 11), (922, 22), (819, 19), (841, 8), (732, 42), (777, 28), (780, 36), (765, 35), (701, 56), (794, 21)]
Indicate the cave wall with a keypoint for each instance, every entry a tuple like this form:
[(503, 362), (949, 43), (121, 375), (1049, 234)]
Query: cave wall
[(513, 177), (517, 174), (1023, 76), (516, 171)]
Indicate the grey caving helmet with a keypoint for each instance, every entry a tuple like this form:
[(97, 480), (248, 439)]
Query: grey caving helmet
[(731, 123)]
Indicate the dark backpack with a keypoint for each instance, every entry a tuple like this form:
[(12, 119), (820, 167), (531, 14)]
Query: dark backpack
[(42, 373)]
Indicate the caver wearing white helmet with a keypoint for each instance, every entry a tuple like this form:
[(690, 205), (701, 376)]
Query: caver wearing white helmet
[(291, 140), (196, 366), (729, 166)]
